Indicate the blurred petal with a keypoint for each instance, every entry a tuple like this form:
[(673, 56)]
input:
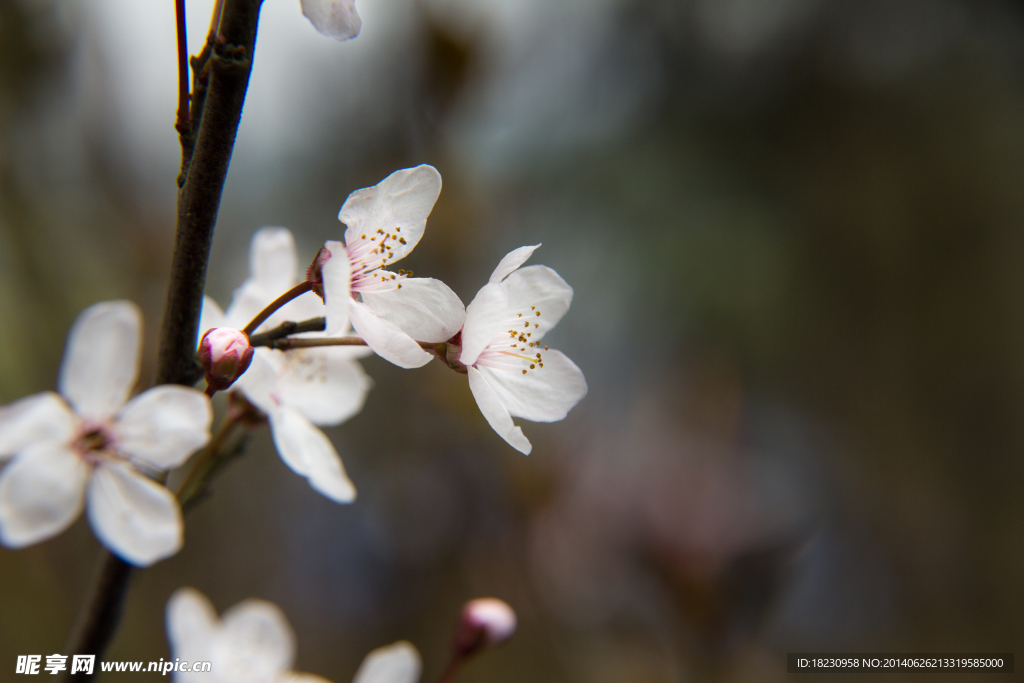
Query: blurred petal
[(210, 316), (191, 625), (424, 308), (334, 18), (398, 663), (309, 452), (256, 644), (511, 262), (337, 278), (33, 419), (324, 384), (495, 413), (40, 494), (398, 205), (101, 360), (386, 339), (259, 382), (273, 262), (136, 518), (293, 677), (541, 295), (164, 425), (485, 320), (543, 394)]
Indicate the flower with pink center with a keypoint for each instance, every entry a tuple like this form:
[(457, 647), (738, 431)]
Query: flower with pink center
[(511, 374), (91, 447), (299, 390), (254, 643), (391, 311)]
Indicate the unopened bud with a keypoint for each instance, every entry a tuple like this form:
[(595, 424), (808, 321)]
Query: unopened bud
[(225, 354), (315, 272), (485, 622)]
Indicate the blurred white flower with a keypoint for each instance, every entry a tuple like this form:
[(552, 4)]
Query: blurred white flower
[(510, 373), (92, 442), (384, 223), (253, 643), (297, 389), (334, 18)]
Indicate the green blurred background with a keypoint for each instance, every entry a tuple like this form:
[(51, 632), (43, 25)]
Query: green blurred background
[(795, 229)]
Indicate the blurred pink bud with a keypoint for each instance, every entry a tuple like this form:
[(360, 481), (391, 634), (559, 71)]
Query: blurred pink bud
[(224, 354), (485, 622), (315, 272)]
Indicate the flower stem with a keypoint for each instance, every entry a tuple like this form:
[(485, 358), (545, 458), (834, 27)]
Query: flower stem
[(288, 343), (184, 123), (452, 670), (297, 290), (205, 464), (288, 328)]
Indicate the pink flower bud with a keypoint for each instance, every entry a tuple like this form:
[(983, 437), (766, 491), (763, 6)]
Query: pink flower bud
[(315, 272), (224, 354), (485, 622)]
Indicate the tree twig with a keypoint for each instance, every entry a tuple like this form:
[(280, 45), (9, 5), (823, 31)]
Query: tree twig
[(184, 123), (287, 329), (296, 291)]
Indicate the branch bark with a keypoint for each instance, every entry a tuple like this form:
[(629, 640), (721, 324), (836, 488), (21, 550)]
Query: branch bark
[(202, 184)]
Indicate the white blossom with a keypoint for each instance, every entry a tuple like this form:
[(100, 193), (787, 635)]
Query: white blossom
[(394, 310), (299, 389), (334, 18), (253, 643), (91, 445), (511, 374)]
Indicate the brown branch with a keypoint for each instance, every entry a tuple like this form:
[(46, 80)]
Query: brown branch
[(296, 291), (202, 182), (287, 329), (184, 123)]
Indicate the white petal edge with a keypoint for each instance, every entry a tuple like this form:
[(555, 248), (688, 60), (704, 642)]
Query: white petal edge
[(324, 384), (273, 260), (34, 419), (308, 451), (191, 623), (495, 413), (164, 425), (41, 494), (337, 277), (544, 394), (101, 359), (424, 308), (336, 19), (257, 633), (397, 663), (511, 262), (538, 289), (386, 339), (485, 321), (136, 518), (402, 200)]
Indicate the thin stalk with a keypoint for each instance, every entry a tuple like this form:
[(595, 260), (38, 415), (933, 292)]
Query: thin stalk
[(452, 670), (204, 463), (297, 290), (184, 123), (287, 329)]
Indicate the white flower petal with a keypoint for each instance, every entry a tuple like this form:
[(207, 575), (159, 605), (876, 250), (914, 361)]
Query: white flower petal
[(33, 419), (40, 494), (402, 200), (334, 18), (511, 262), (256, 644), (136, 518), (324, 384), (259, 382), (101, 360), (538, 290), (397, 663), (308, 451), (191, 627), (337, 276), (495, 413), (210, 316), (386, 339), (543, 394), (273, 261), (164, 425), (424, 308), (485, 321)]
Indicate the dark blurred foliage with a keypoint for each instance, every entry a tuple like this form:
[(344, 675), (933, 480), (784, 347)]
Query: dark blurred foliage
[(794, 232)]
